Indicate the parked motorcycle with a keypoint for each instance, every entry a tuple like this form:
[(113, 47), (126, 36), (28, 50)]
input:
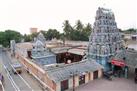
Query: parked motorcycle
[(108, 75)]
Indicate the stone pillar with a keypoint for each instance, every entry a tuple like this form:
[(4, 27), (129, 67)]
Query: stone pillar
[(58, 86), (99, 73), (86, 78), (112, 68), (126, 72), (71, 83), (76, 81), (91, 76)]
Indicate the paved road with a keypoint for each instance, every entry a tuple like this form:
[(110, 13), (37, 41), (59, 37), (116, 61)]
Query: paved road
[(7, 84), (20, 85), (24, 82)]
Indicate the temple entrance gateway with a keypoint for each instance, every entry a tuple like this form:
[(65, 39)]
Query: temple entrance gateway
[(124, 63), (95, 74), (81, 79), (105, 38), (64, 85), (119, 68), (119, 71)]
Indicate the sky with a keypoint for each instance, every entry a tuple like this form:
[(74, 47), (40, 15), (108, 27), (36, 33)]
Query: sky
[(21, 15)]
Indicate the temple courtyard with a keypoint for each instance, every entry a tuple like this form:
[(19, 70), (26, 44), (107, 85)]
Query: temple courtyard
[(117, 84)]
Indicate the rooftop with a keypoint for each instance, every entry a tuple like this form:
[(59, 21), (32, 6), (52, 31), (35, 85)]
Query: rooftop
[(41, 54), (60, 49), (129, 56), (25, 45), (60, 72)]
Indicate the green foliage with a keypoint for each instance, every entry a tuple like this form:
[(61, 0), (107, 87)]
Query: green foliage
[(52, 33), (67, 28), (78, 32), (8, 35), (62, 37), (44, 33), (27, 38), (79, 26), (130, 31), (2, 38), (33, 35)]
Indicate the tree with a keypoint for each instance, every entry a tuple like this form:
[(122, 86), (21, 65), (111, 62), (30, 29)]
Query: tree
[(27, 38), (34, 35), (88, 28), (2, 39), (130, 31), (62, 37), (81, 32), (87, 31), (8, 35), (44, 33), (79, 26), (67, 28), (52, 33)]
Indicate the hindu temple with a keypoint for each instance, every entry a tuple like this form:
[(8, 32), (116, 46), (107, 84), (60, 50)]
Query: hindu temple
[(40, 53), (105, 38)]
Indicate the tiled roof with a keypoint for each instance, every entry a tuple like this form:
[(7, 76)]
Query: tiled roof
[(60, 49), (41, 54), (65, 71), (25, 45), (129, 55), (77, 51)]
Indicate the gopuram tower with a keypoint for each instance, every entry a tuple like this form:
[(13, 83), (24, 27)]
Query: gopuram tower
[(105, 38)]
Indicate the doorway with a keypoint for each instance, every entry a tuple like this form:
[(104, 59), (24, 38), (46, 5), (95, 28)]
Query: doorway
[(119, 71), (95, 74), (64, 85), (81, 79)]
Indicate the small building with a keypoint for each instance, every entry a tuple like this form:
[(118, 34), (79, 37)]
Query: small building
[(123, 60), (42, 55), (69, 76), (134, 37), (33, 30)]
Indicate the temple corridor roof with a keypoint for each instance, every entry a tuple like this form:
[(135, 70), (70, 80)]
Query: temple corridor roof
[(62, 72), (129, 56)]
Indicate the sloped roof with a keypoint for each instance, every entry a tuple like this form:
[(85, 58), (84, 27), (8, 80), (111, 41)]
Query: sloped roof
[(60, 49), (42, 54), (130, 56), (77, 51), (25, 45), (65, 71)]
